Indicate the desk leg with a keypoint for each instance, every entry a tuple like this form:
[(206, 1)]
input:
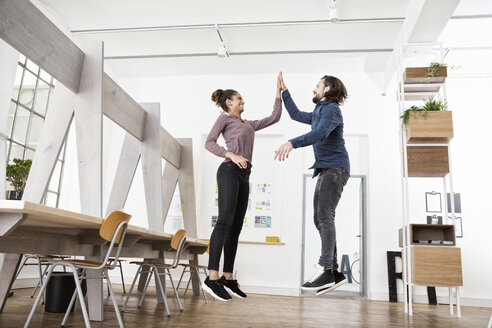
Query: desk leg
[(7, 276), (195, 281), (95, 292)]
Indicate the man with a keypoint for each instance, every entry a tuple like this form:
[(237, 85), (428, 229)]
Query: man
[(332, 167)]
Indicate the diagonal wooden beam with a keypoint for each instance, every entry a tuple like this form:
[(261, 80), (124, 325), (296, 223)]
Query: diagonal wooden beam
[(28, 30), (187, 186), (170, 149), (122, 109)]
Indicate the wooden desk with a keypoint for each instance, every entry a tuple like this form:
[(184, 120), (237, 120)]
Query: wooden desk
[(27, 227)]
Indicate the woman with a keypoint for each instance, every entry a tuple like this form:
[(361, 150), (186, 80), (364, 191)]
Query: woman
[(233, 183)]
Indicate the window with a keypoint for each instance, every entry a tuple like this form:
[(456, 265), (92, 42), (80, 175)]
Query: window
[(31, 95)]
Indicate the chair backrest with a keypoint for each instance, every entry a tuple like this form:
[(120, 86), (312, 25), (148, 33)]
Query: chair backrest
[(113, 230), (111, 223), (178, 244)]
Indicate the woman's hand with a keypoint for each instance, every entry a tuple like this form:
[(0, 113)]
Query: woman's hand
[(280, 80), (283, 151), (279, 84), (237, 159)]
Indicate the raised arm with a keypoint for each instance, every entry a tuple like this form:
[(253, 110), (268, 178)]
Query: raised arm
[(330, 119), (294, 112), (211, 144), (270, 120)]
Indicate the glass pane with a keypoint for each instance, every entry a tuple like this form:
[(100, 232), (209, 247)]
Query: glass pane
[(17, 82), (55, 178), (20, 125), (26, 95), (51, 199), (35, 130), (22, 59), (29, 154), (33, 67), (16, 151), (10, 118), (45, 76), (41, 101)]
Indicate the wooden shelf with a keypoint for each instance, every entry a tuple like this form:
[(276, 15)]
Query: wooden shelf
[(424, 234), (418, 75), (427, 161), (436, 266), (430, 127)]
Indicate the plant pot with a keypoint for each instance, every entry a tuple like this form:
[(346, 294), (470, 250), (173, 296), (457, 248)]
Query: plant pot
[(430, 127), (420, 75), (15, 195), (427, 161)]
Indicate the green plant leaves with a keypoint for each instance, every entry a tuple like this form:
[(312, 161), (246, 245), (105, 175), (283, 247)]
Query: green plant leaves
[(18, 172)]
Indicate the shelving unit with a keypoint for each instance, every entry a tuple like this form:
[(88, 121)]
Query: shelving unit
[(430, 256)]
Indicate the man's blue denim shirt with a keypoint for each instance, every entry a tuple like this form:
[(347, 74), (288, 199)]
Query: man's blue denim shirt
[(326, 135)]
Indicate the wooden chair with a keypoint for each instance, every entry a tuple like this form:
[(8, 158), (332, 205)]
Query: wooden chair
[(113, 230), (152, 267)]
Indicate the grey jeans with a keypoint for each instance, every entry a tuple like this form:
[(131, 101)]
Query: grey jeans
[(328, 191)]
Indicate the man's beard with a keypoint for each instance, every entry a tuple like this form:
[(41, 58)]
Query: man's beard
[(316, 99)]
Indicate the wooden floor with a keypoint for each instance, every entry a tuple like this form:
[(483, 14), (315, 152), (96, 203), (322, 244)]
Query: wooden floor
[(255, 311)]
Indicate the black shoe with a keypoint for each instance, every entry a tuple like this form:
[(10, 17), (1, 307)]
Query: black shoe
[(340, 279), (216, 289), (321, 279), (233, 287)]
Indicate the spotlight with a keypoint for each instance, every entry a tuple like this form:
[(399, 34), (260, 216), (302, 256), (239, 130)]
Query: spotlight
[(222, 50), (333, 13)]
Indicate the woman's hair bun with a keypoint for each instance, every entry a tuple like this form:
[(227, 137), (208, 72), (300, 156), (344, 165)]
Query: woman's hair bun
[(217, 96)]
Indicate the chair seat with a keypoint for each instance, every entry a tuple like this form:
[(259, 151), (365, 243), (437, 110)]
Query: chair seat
[(158, 264), (112, 259), (194, 265), (81, 262)]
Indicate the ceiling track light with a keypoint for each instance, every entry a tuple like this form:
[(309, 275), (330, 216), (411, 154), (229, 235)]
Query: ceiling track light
[(333, 11), (222, 51)]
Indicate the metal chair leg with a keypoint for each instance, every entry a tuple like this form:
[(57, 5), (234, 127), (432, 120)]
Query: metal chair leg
[(145, 288), (131, 288), (200, 282), (81, 297), (180, 278), (163, 291), (188, 284), (38, 298), (122, 279), (115, 305), (72, 302), (175, 291)]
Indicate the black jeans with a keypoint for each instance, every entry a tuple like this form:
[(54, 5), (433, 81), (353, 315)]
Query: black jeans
[(328, 191), (233, 185)]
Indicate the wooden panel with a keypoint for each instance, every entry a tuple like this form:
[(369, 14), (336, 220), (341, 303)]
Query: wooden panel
[(28, 30), (430, 127), (129, 157), (429, 232), (436, 266), (9, 268), (187, 186), (8, 222), (152, 167), (88, 124), (169, 182), (51, 139), (122, 109), (427, 161), (419, 75), (170, 148)]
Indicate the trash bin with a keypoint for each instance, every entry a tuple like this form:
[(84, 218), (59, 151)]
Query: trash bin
[(59, 292)]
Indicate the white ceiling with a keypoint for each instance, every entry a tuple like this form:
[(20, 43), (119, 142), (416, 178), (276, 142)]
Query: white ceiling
[(254, 49)]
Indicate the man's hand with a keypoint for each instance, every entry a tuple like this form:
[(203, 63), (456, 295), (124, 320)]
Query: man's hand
[(283, 151), (282, 83)]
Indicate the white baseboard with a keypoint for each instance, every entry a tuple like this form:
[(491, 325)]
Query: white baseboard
[(422, 299)]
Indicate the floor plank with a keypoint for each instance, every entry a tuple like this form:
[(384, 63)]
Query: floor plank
[(258, 311)]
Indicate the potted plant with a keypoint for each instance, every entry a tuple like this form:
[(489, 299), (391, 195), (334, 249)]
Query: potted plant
[(434, 73), (429, 123), (17, 174)]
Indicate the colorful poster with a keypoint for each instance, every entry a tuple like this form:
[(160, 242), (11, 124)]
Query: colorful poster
[(263, 221), (264, 188)]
